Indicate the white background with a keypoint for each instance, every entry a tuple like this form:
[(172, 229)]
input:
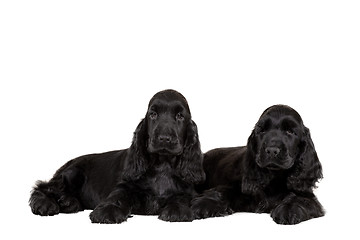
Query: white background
[(76, 78)]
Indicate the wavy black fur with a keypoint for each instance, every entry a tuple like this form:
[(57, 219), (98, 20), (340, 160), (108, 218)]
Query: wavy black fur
[(275, 173), (155, 176)]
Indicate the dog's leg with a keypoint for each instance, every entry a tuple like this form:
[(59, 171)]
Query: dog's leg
[(177, 209), (116, 208), (58, 195), (295, 209)]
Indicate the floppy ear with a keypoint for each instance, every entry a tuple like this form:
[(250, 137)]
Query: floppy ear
[(252, 145), (254, 179), (190, 166), (136, 160), (307, 170)]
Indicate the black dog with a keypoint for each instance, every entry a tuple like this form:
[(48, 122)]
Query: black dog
[(275, 173), (156, 175)]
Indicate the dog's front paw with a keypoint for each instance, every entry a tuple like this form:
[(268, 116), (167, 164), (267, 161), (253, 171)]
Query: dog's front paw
[(176, 213), (205, 207), (108, 213), (289, 214), (43, 205), (69, 204)]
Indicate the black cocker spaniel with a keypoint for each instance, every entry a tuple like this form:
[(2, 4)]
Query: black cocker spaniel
[(275, 173), (155, 176)]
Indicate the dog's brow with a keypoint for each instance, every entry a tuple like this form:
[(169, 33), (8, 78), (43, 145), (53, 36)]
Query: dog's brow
[(178, 107), (288, 123), (157, 105), (153, 107), (161, 105), (265, 123)]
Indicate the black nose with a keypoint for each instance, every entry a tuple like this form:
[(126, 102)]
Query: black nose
[(165, 138), (272, 151)]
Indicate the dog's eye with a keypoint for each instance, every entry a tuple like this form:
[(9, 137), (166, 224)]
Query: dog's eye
[(290, 132), (179, 116), (153, 115)]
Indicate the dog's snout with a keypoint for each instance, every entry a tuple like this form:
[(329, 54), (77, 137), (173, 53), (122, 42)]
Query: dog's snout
[(165, 138), (272, 151)]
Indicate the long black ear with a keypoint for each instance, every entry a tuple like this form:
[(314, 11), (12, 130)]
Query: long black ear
[(254, 179), (252, 145), (190, 166), (136, 160), (307, 170)]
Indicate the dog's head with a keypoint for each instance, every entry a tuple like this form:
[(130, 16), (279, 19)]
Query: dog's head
[(167, 120), (167, 130), (280, 142)]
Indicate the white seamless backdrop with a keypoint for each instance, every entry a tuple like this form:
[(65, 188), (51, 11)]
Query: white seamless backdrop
[(76, 78)]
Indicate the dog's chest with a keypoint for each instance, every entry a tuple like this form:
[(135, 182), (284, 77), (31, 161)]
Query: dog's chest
[(163, 185), (162, 182)]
